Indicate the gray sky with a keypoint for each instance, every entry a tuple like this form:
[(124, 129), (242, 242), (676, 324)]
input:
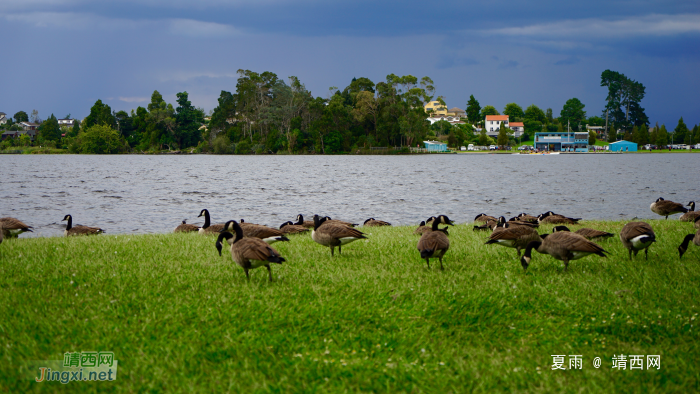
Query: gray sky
[(62, 55)]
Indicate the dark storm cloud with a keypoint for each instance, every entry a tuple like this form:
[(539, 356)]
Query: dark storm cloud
[(73, 52)]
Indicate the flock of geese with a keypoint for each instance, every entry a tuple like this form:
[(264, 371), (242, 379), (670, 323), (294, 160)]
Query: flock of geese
[(250, 244)]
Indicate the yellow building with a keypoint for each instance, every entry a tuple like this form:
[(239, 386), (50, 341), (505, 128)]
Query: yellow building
[(434, 108)]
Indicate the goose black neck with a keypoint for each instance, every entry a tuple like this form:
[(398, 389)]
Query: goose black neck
[(70, 222), (222, 235), (300, 219), (318, 222), (530, 246), (692, 205), (207, 221), (435, 225)]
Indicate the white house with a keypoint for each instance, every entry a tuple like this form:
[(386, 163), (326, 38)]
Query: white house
[(66, 122), (452, 119), (493, 122), (3, 118)]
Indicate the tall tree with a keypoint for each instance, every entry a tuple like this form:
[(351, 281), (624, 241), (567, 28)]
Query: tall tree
[(188, 120), (533, 113), (662, 136), (488, 110), (572, 113), (503, 135), (20, 116), (49, 129), (549, 116), (680, 132), (473, 110), (624, 96), (514, 111), (100, 114), (35, 117)]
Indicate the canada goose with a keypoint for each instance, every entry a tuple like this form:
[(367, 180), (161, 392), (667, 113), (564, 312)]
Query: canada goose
[(306, 223), (208, 228), (482, 217), (433, 244), (517, 222), (585, 232), (333, 234), (186, 228), (564, 246), (527, 218), (636, 236), (666, 207), (249, 253), (422, 228), (691, 215), (291, 228), (372, 222), (553, 218), (684, 245), (517, 237), (12, 227), (78, 229), (344, 223), (267, 234), (489, 225)]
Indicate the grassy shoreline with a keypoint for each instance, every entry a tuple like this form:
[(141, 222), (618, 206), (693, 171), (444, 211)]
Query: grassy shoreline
[(179, 318)]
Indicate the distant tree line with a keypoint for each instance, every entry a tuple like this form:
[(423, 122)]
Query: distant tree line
[(267, 114)]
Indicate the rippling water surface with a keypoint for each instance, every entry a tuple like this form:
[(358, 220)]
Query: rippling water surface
[(152, 194)]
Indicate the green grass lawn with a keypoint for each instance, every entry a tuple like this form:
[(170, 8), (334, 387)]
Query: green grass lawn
[(179, 318)]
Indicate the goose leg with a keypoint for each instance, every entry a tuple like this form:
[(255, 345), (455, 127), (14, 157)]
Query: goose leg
[(269, 271), (646, 254), (441, 267), (246, 273), (339, 249), (566, 264), (427, 261), (630, 252)]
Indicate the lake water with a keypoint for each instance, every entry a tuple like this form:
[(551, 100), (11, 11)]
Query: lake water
[(152, 194)]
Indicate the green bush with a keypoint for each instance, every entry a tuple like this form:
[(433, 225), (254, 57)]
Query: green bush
[(101, 139), (243, 147), (222, 145)]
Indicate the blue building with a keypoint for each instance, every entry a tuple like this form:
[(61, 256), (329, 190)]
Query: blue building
[(561, 141), (623, 146), (435, 146)]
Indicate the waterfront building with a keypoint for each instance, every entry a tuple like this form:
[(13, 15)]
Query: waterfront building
[(561, 141)]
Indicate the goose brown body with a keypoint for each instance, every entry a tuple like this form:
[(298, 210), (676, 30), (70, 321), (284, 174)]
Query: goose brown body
[(72, 231), (12, 227), (433, 244), (553, 218), (249, 253), (694, 238), (636, 236), (564, 246), (372, 222), (691, 215), (422, 228), (667, 207), (589, 233), (267, 234), (291, 228), (482, 217), (510, 236), (186, 228), (333, 234)]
